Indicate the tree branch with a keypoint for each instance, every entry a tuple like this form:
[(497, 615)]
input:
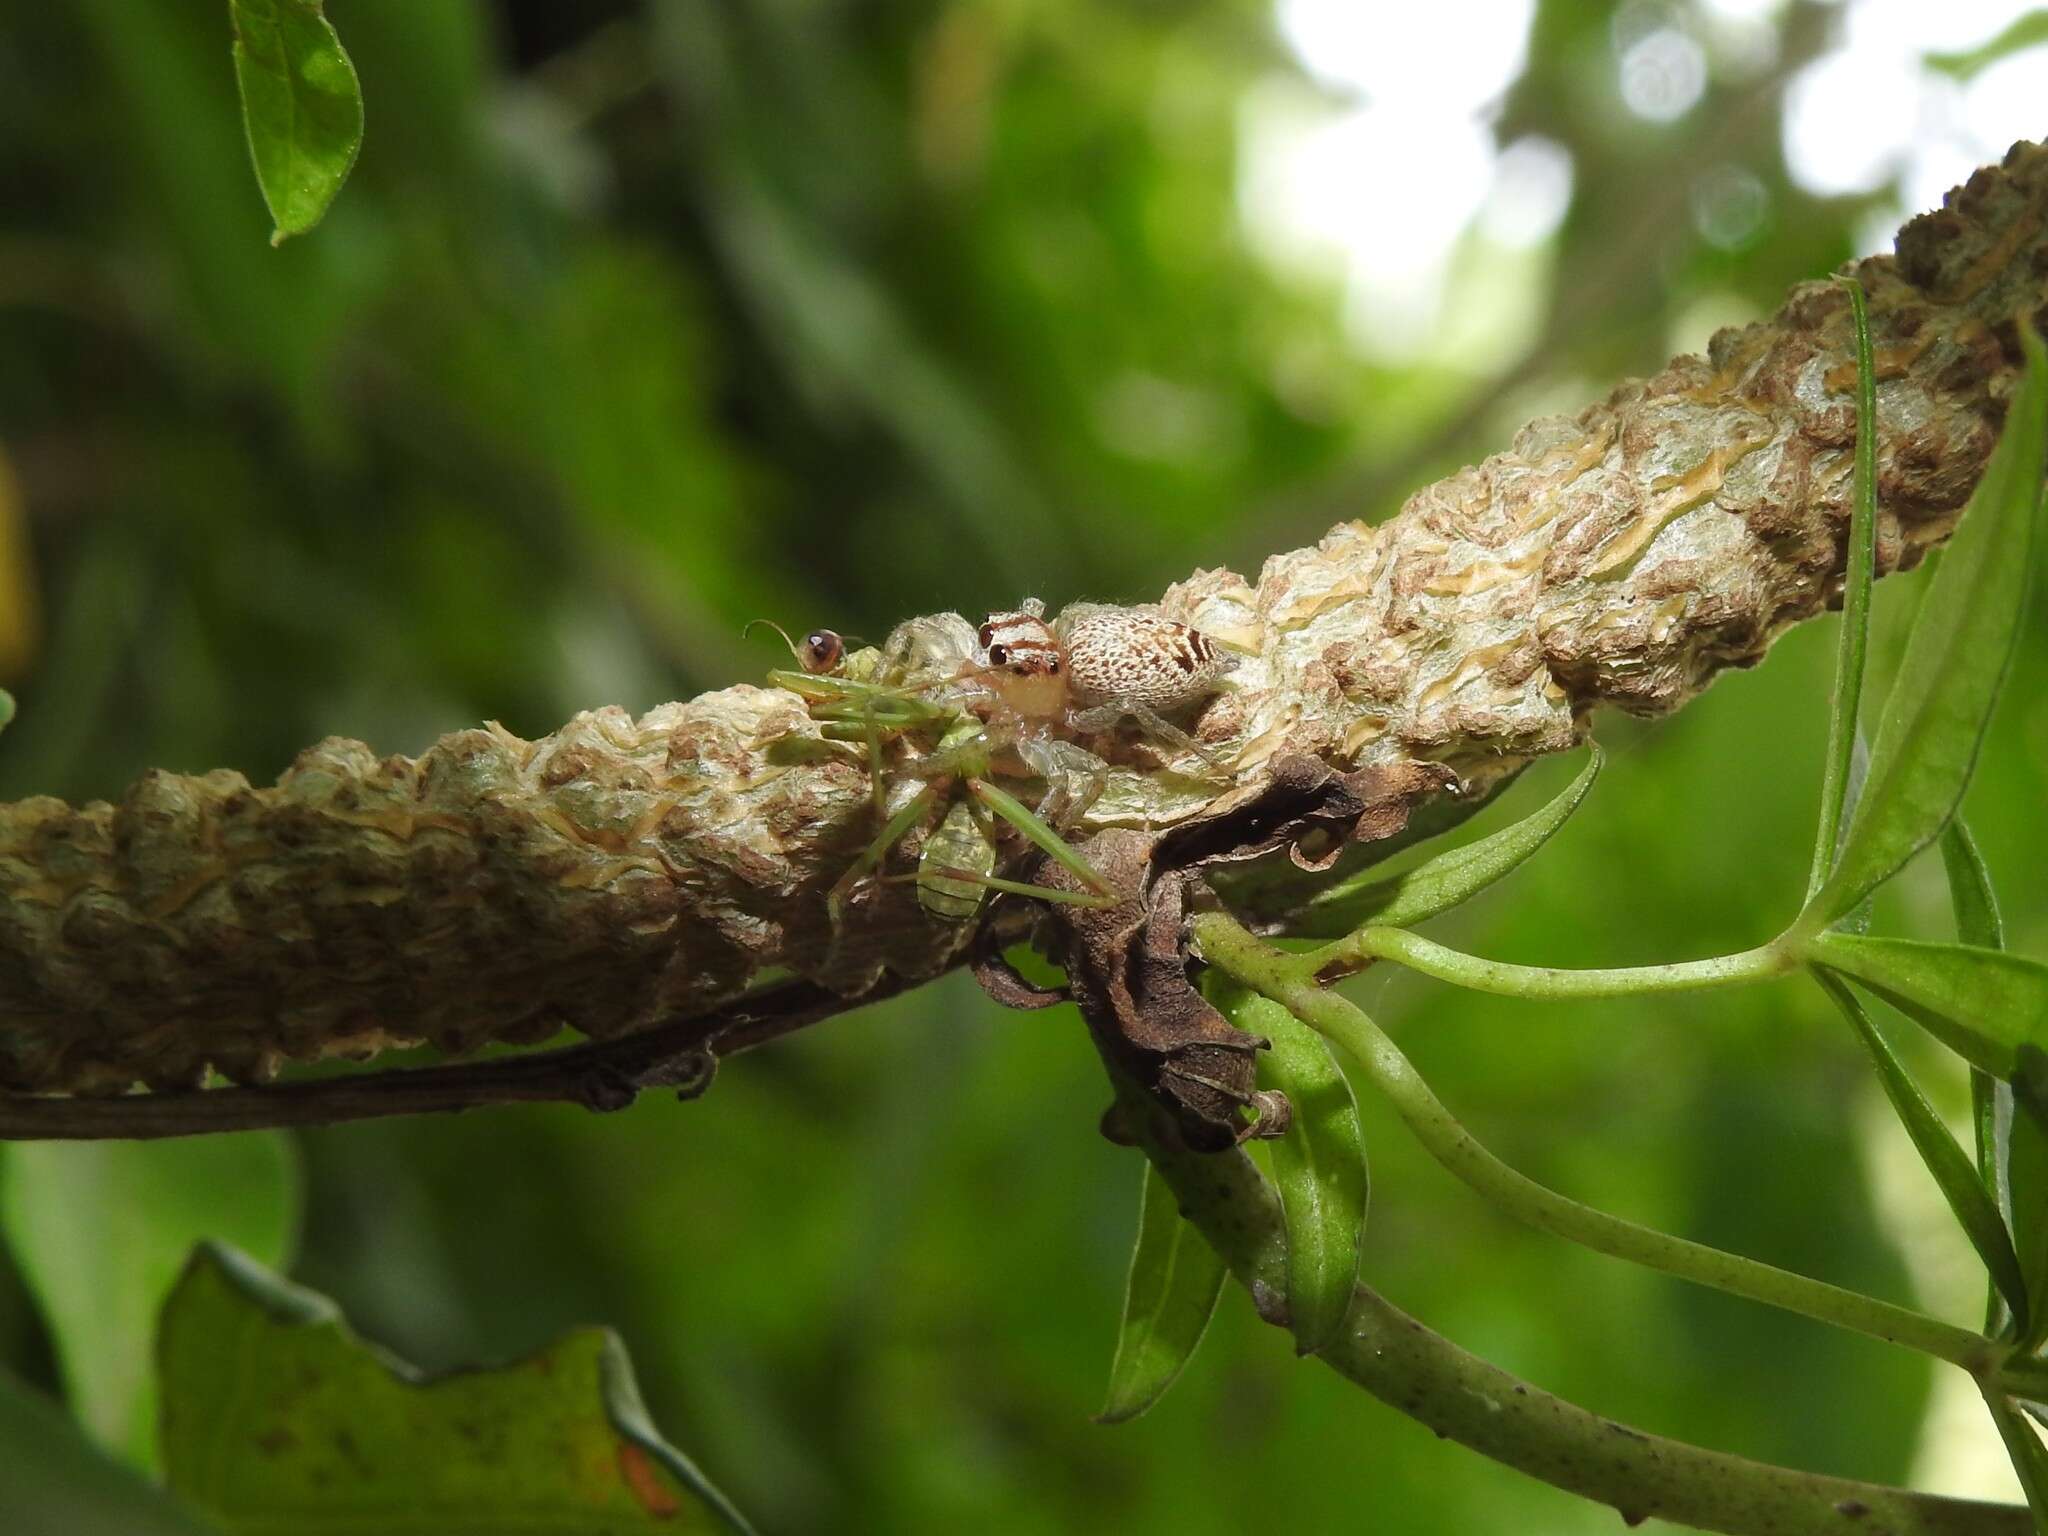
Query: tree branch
[(625, 872), (682, 1054)]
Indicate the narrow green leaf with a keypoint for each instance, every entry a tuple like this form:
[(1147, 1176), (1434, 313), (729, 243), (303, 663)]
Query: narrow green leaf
[(1975, 903), (6, 708), (278, 1418), (1948, 1162), (1983, 1004), (1955, 662), (1859, 564), (2029, 1457), (1319, 1168), (101, 1230), (2024, 32), (1171, 1293), (302, 107), (2023, 1146), (53, 1479), (1440, 883), (1969, 888)]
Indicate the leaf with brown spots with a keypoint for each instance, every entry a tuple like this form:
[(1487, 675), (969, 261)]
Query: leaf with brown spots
[(278, 1418)]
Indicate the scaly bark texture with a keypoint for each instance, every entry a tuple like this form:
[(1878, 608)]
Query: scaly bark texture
[(625, 871)]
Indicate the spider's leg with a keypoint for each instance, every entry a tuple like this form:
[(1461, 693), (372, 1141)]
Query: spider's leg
[(1107, 717), (1074, 778), (875, 789)]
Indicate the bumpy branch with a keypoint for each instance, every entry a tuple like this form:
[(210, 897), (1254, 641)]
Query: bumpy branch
[(627, 873)]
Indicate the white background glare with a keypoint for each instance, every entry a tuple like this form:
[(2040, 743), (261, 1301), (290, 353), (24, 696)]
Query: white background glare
[(1457, 56), (1532, 189), (1378, 178), (1374, 175), (1873, 113)]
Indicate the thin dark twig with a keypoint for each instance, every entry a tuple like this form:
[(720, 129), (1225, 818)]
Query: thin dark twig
[(603, 1075)]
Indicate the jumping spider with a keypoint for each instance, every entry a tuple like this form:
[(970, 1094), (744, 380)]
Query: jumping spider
[(963, 706)]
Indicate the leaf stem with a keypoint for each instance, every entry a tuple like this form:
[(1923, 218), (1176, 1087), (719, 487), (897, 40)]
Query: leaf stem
[(1539, 981), (1280, 977)]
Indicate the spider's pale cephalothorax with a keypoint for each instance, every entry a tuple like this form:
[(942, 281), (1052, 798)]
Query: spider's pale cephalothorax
[(1025, 665)]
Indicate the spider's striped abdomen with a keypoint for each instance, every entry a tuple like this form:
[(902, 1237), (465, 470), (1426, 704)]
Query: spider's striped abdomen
[(1134, 656)]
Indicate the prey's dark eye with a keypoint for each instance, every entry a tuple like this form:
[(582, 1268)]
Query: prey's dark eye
[(997, 654), (822, 650)]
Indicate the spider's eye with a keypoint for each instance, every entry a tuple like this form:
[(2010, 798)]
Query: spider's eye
[(1053, 665), (986, 633), (997, 654)]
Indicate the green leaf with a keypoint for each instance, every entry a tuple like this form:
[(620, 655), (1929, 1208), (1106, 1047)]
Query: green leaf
[(2005, 1143), (6, 708), (1171, 1293), (1983, 1004), (1969, 888), (2022, 1130), (2029, 1456), (1951, 1166), (1853, 642), (1319, 1167), (101, 1230), (2028, 31), (1440, 883), (278, 1418), (52, 1479), (302, 107), (1955, 662)]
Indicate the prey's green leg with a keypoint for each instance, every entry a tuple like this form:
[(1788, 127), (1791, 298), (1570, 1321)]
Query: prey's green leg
[(914, 810), (960, 876), (844, 698), (962, 753), (875, 766), (1020, 816)]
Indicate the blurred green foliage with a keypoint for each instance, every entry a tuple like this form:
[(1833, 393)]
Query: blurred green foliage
[(102, 1229), (638, 321)]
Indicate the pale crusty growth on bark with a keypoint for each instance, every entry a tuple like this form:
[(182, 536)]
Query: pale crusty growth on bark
[(624, 871)]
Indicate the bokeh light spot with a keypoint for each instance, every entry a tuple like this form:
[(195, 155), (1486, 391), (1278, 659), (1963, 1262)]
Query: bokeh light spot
[(1663, 75)]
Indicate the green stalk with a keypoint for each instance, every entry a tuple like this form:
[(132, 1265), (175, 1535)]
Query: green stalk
[(1431, 959), (1280, 977)]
